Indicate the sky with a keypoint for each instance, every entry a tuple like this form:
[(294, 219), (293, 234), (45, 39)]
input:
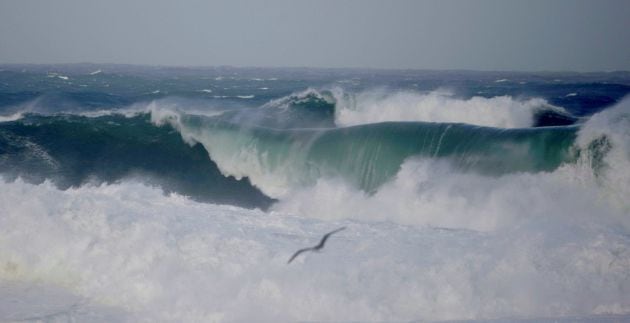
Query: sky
[(533, 35)]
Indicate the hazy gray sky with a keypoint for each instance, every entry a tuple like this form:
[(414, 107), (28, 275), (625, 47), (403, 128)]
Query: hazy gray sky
[(481, 35)]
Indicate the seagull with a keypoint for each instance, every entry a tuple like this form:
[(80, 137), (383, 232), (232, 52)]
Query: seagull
[(317, 247)]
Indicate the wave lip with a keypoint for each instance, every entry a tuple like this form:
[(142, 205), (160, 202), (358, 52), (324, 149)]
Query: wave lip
[(336, 107), (437, 106)]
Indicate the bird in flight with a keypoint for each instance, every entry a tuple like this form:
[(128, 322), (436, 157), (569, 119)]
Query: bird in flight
[(317, 247)]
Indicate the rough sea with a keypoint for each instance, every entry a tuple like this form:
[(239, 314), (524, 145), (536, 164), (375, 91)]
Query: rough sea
[(162, 194)]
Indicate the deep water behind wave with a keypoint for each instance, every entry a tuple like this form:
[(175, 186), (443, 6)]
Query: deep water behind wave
[(74, 150)]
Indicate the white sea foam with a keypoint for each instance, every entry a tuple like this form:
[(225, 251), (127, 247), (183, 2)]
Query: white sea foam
[(245, 96), (41, 302), (571, 94), (437, 106), (613, 124), (431, 193), (96, 72), (131, 250)]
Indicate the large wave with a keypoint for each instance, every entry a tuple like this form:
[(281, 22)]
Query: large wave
[(73, 149), (278, 160), (435, 192)]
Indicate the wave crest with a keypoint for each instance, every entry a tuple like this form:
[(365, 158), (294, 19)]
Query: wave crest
[(437, 106)]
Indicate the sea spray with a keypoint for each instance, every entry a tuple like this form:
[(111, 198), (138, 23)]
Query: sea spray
[(127, 246)]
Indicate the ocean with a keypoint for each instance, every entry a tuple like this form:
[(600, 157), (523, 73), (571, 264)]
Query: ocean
[(137, 193)]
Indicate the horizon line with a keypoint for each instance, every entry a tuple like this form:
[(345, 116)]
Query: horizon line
[(320, 68)]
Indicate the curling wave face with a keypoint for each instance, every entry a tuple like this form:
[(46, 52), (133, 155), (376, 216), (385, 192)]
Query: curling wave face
[(278, 160), (434, 174)]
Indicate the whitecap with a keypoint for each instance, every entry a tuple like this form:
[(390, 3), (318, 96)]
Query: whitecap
[(438, 106)]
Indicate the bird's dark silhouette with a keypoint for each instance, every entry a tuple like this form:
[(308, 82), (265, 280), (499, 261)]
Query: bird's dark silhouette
[(317, 247)]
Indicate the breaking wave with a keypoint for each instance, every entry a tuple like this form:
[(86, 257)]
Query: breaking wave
[(455, 207), (374, 106), (277, 160)]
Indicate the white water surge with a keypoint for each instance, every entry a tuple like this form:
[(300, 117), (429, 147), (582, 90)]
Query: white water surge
[(129, 250)]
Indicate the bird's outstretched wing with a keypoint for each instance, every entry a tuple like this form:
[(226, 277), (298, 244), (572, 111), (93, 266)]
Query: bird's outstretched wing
[(321, 243), (297, 253), (317, 247)]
